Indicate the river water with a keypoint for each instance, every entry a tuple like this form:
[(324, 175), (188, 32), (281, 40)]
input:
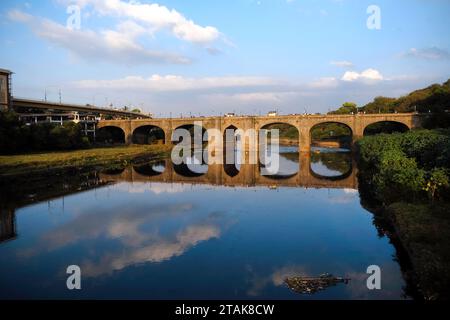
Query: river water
[(162, 232)]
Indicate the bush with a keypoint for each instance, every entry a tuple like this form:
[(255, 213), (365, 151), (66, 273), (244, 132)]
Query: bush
[(436, 182), (16, 137), (398, 176), (406, 166)]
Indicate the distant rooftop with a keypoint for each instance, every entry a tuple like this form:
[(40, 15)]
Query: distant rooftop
[(5, 71)]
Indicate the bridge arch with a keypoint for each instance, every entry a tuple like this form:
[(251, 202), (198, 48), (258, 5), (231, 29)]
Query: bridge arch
[(231, 164), (386, 126), (288, 161), (195, 164), (110, 135), (288, 133), (333, 134), (148, 134), (193, 130)]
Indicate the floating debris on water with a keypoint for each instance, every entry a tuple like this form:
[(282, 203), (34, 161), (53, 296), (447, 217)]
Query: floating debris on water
[(311, 285)]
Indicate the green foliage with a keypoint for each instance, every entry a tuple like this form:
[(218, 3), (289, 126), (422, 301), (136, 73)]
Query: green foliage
[(336, 161), (347, 108), (431, 148), (380, 105), (434, 99), (436, 181), (16, 137), (385, 127), (330, 130), (286, 131), (405, 166), (398, 176)]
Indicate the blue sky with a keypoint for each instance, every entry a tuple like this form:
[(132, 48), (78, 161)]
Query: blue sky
[(213, 57)]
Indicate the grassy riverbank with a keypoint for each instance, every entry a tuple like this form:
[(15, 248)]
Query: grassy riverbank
[(424, 232), (11, 165), (404, 179)]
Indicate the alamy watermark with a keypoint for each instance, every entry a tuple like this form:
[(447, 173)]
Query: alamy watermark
[(73, 21), (374, 280), (374, 20), (235, 147), (73, 282)]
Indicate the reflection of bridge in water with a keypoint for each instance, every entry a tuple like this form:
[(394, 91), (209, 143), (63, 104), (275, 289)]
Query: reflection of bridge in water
[(7, 224), (249, 175)]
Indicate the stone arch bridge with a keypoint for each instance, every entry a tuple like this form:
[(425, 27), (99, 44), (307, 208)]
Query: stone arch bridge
[(304, 123)]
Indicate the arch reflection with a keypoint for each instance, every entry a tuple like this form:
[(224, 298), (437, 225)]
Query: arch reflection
[(151, 169), (192, 166), (231, 151), (334, 170), (288, 165), (332, 164)]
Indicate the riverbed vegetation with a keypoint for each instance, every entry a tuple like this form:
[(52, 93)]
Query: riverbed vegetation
[(406, 178)]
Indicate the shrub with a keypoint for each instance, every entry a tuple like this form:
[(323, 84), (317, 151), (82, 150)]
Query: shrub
[(15, 136), (406, 166)]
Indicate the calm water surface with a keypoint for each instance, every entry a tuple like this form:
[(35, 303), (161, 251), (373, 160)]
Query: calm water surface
[(154, 233)]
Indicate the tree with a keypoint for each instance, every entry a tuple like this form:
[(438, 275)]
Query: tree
[(380, 104), (16, 136), (136, 110), (436, 181), (347, 108), (434, 98)]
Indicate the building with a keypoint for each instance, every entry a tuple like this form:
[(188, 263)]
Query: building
[(5, 89)]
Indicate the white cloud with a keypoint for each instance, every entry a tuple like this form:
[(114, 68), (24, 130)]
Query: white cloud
[(137, 233), (248, 98), (177, 83), (326, 82), (155, 17), (342, 64), (432, 53), (366, 75), (118, 45), (247, 94)]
